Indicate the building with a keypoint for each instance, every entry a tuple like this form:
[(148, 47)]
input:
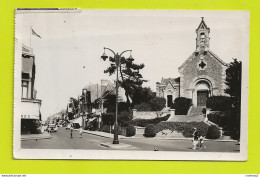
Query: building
[(202, 75), (30, 106)]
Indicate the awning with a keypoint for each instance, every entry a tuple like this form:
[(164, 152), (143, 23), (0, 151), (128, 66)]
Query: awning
[(30, 109)]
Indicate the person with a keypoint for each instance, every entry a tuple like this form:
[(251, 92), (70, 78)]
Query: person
[(80, 132), (201, 141), (195, 138), (71, 131)]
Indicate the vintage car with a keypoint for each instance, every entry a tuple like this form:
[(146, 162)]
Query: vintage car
[(52, 128)]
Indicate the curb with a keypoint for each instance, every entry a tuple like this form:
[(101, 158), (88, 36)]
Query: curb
[(116, 146), (157, 138), (35, 138)]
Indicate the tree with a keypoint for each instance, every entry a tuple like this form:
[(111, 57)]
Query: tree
[(130, 77), (142, 95), (233, 82), (157, 103)]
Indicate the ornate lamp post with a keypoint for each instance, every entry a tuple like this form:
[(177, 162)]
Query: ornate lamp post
[(118, 63)]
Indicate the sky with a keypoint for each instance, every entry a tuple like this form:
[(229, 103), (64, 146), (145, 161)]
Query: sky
[(68, 54)]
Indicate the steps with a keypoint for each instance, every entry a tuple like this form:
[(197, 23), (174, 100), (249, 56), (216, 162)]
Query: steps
[(195, 114), (196, 110)]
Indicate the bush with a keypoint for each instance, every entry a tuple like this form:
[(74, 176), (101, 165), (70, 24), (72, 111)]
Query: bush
[(108, 118), (150, 130), (218, 103), (145, 122), (181, 105), (124, 117), (157, 103), (143, 107), (186, 128), (122, 107), (213, 132), (130, 130), (219, 118)]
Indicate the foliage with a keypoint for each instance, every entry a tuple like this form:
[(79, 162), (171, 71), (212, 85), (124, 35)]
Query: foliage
[(145, 122), (150, 130), (233, 82), (124, 117), (142, 95), (130, 130), (219, 118), (142, 107), (110, 103), (130, 77), (108, 119), (218, 103), (181, 105), (157, 103), (74, 103), (94, 126), (213, 132), (186, 128)]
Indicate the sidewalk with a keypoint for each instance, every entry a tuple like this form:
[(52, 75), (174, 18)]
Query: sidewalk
[(109, 135), (44, 135)]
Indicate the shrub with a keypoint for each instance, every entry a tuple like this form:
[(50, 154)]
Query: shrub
[(150, 130), (157, 103), (144, 122), (143, 107), (218, 103), (130, 130), (219, 118), (181, 105), (122, 107), (186, 128), (108, 119), (213, 132)]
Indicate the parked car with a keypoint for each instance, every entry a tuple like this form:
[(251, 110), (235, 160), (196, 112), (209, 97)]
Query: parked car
[(52, 128)]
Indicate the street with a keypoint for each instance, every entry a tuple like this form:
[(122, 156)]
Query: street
[(62, 140)]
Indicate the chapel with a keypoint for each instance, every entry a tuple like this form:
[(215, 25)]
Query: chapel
[(202, 74)]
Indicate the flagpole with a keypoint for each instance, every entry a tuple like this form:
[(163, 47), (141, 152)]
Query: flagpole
[(30, 36)]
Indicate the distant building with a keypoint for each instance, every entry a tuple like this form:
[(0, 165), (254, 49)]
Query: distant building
[(30, 106), (202, 75), (168, 88)]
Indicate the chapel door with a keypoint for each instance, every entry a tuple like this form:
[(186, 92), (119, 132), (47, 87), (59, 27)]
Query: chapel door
[(202, 98), (169, 100)]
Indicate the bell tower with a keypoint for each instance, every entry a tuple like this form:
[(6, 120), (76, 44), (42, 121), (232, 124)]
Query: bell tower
[(202, 40)]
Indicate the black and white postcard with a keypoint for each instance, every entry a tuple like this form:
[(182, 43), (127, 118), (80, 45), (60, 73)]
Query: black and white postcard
[(131, 84)]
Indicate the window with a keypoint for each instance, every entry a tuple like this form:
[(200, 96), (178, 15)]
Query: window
[(202, 38), (24, 89)]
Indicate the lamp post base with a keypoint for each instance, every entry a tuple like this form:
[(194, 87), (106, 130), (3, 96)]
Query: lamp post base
[(115, 142)]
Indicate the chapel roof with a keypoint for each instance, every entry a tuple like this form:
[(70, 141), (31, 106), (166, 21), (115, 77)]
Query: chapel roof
[(172, 80)]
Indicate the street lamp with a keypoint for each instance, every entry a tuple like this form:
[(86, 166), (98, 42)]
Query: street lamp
[(118, 63)]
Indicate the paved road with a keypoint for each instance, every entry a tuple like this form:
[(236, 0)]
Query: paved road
[(62, 140)]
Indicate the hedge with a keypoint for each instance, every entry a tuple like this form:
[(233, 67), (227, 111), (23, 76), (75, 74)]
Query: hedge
[(130, 130), (186, 128), (181, 105), (145, 122), (143, 107), (150, 130), (219, 118), (213, 132), (218, 103)]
